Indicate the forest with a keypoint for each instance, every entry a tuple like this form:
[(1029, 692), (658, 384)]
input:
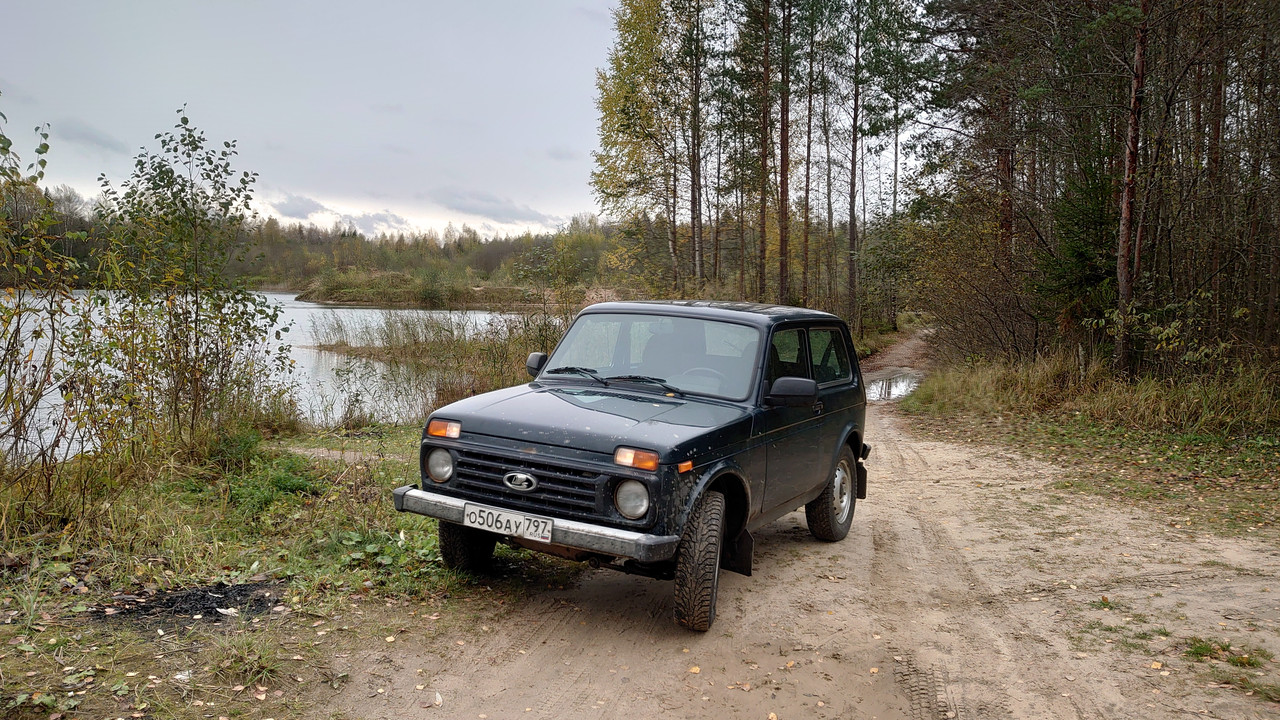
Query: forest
[(1092, 174)]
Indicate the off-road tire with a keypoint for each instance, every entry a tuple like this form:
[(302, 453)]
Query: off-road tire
[(831, 513), (465, 549), (698, 563)]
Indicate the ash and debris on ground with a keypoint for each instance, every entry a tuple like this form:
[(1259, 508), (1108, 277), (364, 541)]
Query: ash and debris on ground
[(209, 603)]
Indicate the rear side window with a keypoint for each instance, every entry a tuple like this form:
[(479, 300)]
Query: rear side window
[(830, 356)]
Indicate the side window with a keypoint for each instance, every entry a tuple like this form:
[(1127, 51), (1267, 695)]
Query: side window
[(830, 356), (787, 355)]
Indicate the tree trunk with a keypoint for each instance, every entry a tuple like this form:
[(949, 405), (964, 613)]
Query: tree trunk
[(830, 240), (784, 159), (808, 168), (854, 310), (1124, 245), (672, 245), (765, 81), (695, 148)]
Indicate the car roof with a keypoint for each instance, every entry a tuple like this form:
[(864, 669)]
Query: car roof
[(758, 314)]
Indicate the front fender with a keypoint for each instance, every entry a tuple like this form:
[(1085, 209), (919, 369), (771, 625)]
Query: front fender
[(738, 491)]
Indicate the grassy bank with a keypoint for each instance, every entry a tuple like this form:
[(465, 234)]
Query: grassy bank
[(1204, 451), (397, 289), (223, 587)]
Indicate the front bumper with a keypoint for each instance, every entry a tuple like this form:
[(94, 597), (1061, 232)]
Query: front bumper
[(570, 533)]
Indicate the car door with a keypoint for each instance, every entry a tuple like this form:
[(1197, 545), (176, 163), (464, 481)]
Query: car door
[(794, 461), (838, 391)]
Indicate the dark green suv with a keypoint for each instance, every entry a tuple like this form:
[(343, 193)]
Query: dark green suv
[(653, 440)]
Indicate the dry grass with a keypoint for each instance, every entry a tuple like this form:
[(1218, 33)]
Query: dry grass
[(1241, 401)]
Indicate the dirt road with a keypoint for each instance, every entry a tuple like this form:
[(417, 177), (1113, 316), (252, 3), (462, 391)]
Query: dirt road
[(970, 587)]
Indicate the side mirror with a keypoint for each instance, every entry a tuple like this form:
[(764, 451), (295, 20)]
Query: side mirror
[(535, 362), (792, 392)]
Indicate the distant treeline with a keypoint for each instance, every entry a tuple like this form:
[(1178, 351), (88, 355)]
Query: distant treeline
[(460, 267)]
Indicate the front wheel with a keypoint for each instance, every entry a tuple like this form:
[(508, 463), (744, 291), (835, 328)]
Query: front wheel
[(698, 563), (466, 549), (831, 513)]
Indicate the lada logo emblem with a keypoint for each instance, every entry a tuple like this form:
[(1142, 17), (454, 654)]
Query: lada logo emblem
[(523, 482)]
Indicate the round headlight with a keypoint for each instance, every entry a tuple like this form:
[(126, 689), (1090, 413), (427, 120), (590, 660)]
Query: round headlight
[(631, 499), (439, 465)]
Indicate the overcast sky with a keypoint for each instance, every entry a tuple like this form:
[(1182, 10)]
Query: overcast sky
[(388, 115)]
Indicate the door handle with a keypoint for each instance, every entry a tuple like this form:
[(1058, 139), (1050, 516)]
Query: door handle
[(817, 408)]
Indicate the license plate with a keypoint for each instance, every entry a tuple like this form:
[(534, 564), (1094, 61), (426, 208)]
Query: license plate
[(507, 522)]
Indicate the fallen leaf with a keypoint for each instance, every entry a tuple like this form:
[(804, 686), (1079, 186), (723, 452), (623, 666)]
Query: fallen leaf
[(695, 669), (391, 638), (875, 670), (1157, 665), (231, 612)]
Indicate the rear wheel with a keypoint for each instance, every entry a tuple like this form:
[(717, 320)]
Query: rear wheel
[(698, 563), (466, 549), (831, 513)]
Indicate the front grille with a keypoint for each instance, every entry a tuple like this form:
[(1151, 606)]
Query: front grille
[(562, 490)]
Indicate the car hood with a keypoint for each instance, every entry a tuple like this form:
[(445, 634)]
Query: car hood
[(593, 419)]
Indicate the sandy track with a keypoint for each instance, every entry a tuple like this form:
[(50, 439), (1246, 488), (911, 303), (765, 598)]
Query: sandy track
[(964, 590)]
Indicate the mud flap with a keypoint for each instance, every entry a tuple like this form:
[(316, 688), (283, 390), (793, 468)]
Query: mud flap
[(738, 553), (862, 481)]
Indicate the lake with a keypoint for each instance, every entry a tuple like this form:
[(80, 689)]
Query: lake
[(330, 384)]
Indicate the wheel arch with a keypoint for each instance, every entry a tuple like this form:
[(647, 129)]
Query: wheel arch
[(731, 481)]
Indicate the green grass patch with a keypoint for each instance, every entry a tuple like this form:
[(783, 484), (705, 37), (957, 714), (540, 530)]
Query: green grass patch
[(1200, 649), (1250, 685), (317, 539)]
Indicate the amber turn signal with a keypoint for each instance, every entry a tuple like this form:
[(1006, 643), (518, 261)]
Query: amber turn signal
[(444, 428), (639, 459), (685, 466)]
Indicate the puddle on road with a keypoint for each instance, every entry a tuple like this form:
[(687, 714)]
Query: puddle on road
[(891, 388)]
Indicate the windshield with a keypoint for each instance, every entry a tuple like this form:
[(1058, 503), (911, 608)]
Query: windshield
[(665, 354)]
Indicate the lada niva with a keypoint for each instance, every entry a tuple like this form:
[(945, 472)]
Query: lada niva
[(653, 440)]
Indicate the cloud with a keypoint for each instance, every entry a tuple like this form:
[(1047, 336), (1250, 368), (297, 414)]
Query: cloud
[(388, 108), (398, 150), (562, 153), (297, 206), (486, 205), (594, 14), (11, 91), (79, 133), (372, 224)]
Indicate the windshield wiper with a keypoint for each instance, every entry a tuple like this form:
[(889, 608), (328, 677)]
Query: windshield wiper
[(587, 372), (647, 379)]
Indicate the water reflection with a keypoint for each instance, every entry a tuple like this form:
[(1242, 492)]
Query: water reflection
[(333, 387), (891, 388)]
